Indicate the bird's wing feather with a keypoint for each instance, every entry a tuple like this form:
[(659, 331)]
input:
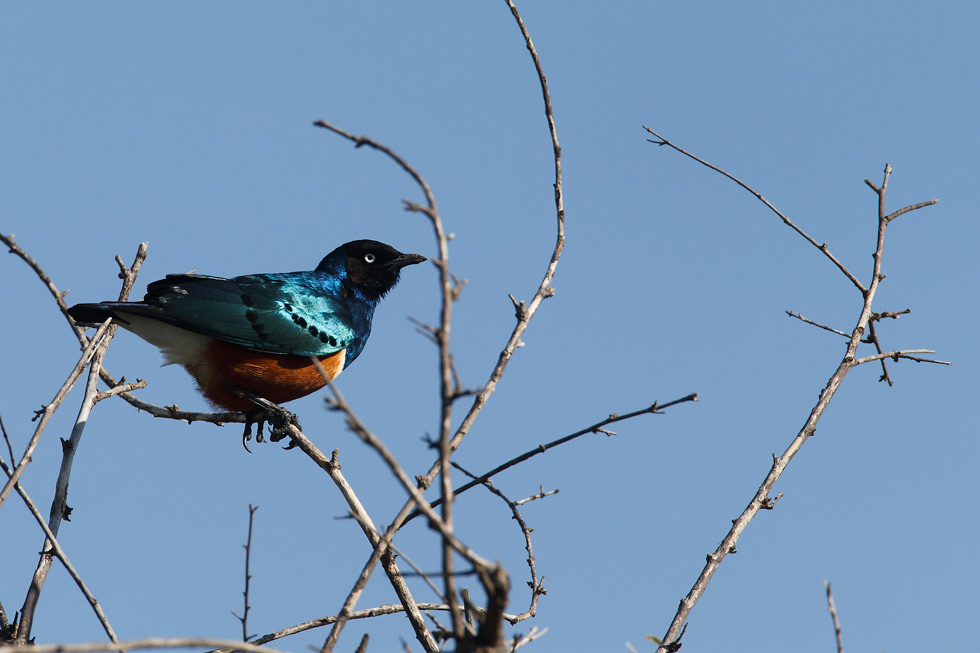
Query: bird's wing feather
[(301, 313)]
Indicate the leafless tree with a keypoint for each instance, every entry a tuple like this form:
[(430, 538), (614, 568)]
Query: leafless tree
[(471, 627)]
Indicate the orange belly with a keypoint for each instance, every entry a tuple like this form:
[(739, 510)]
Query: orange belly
[(278, 378)]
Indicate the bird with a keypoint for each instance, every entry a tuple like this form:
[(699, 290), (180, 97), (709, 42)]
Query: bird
[(257, 335)]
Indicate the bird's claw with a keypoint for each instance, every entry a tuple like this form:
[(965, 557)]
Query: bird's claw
[(279, 420)]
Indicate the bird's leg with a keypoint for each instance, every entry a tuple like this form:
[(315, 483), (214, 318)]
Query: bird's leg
[(279, 418), (257, 417)]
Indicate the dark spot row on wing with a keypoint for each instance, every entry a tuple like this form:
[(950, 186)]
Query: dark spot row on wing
[(252, 318), (324, 337)]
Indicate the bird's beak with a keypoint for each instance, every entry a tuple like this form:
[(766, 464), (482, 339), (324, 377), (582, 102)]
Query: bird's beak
[(406, 259)]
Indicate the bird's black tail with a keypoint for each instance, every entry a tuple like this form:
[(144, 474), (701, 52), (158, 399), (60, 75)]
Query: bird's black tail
[(91, 314)]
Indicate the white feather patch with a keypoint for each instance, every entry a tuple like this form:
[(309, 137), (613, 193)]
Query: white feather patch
[(179, 346)]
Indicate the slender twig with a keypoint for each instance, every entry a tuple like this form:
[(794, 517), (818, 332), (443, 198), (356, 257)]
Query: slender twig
[(817, 324), (889, 315), (653, 409), (248, 575), (906, 209), (536, 585), (789, 223), (534, 497), (833, 615), (119, 389)]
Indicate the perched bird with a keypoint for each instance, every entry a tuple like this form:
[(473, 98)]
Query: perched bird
[(255, 334)]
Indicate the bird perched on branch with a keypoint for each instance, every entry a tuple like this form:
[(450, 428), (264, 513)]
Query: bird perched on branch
[(257, 335)]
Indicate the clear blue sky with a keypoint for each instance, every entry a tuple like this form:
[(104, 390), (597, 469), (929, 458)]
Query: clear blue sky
[(188, 125)]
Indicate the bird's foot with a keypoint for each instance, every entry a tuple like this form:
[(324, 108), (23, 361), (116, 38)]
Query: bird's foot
[(279, 420)]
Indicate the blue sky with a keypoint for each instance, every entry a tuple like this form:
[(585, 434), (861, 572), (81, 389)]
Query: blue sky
[(189, 126)]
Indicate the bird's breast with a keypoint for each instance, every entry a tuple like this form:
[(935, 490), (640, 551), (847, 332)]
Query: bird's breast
[(226, 367)]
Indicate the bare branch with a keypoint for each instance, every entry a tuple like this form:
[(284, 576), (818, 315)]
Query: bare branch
[(534, 497), (119, 389), (762, 500)]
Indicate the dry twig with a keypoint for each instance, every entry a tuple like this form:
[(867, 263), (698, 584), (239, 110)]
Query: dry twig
[(762, 500), (248, 575)]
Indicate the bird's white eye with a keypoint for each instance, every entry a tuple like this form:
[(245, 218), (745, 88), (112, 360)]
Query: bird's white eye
[(369, 258)]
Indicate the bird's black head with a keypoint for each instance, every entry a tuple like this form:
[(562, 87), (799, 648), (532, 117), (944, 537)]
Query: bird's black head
[(374, 267)]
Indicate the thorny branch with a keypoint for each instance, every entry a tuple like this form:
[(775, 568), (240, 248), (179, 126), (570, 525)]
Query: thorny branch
[(762, 500), (654, 409), (243, 618)]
